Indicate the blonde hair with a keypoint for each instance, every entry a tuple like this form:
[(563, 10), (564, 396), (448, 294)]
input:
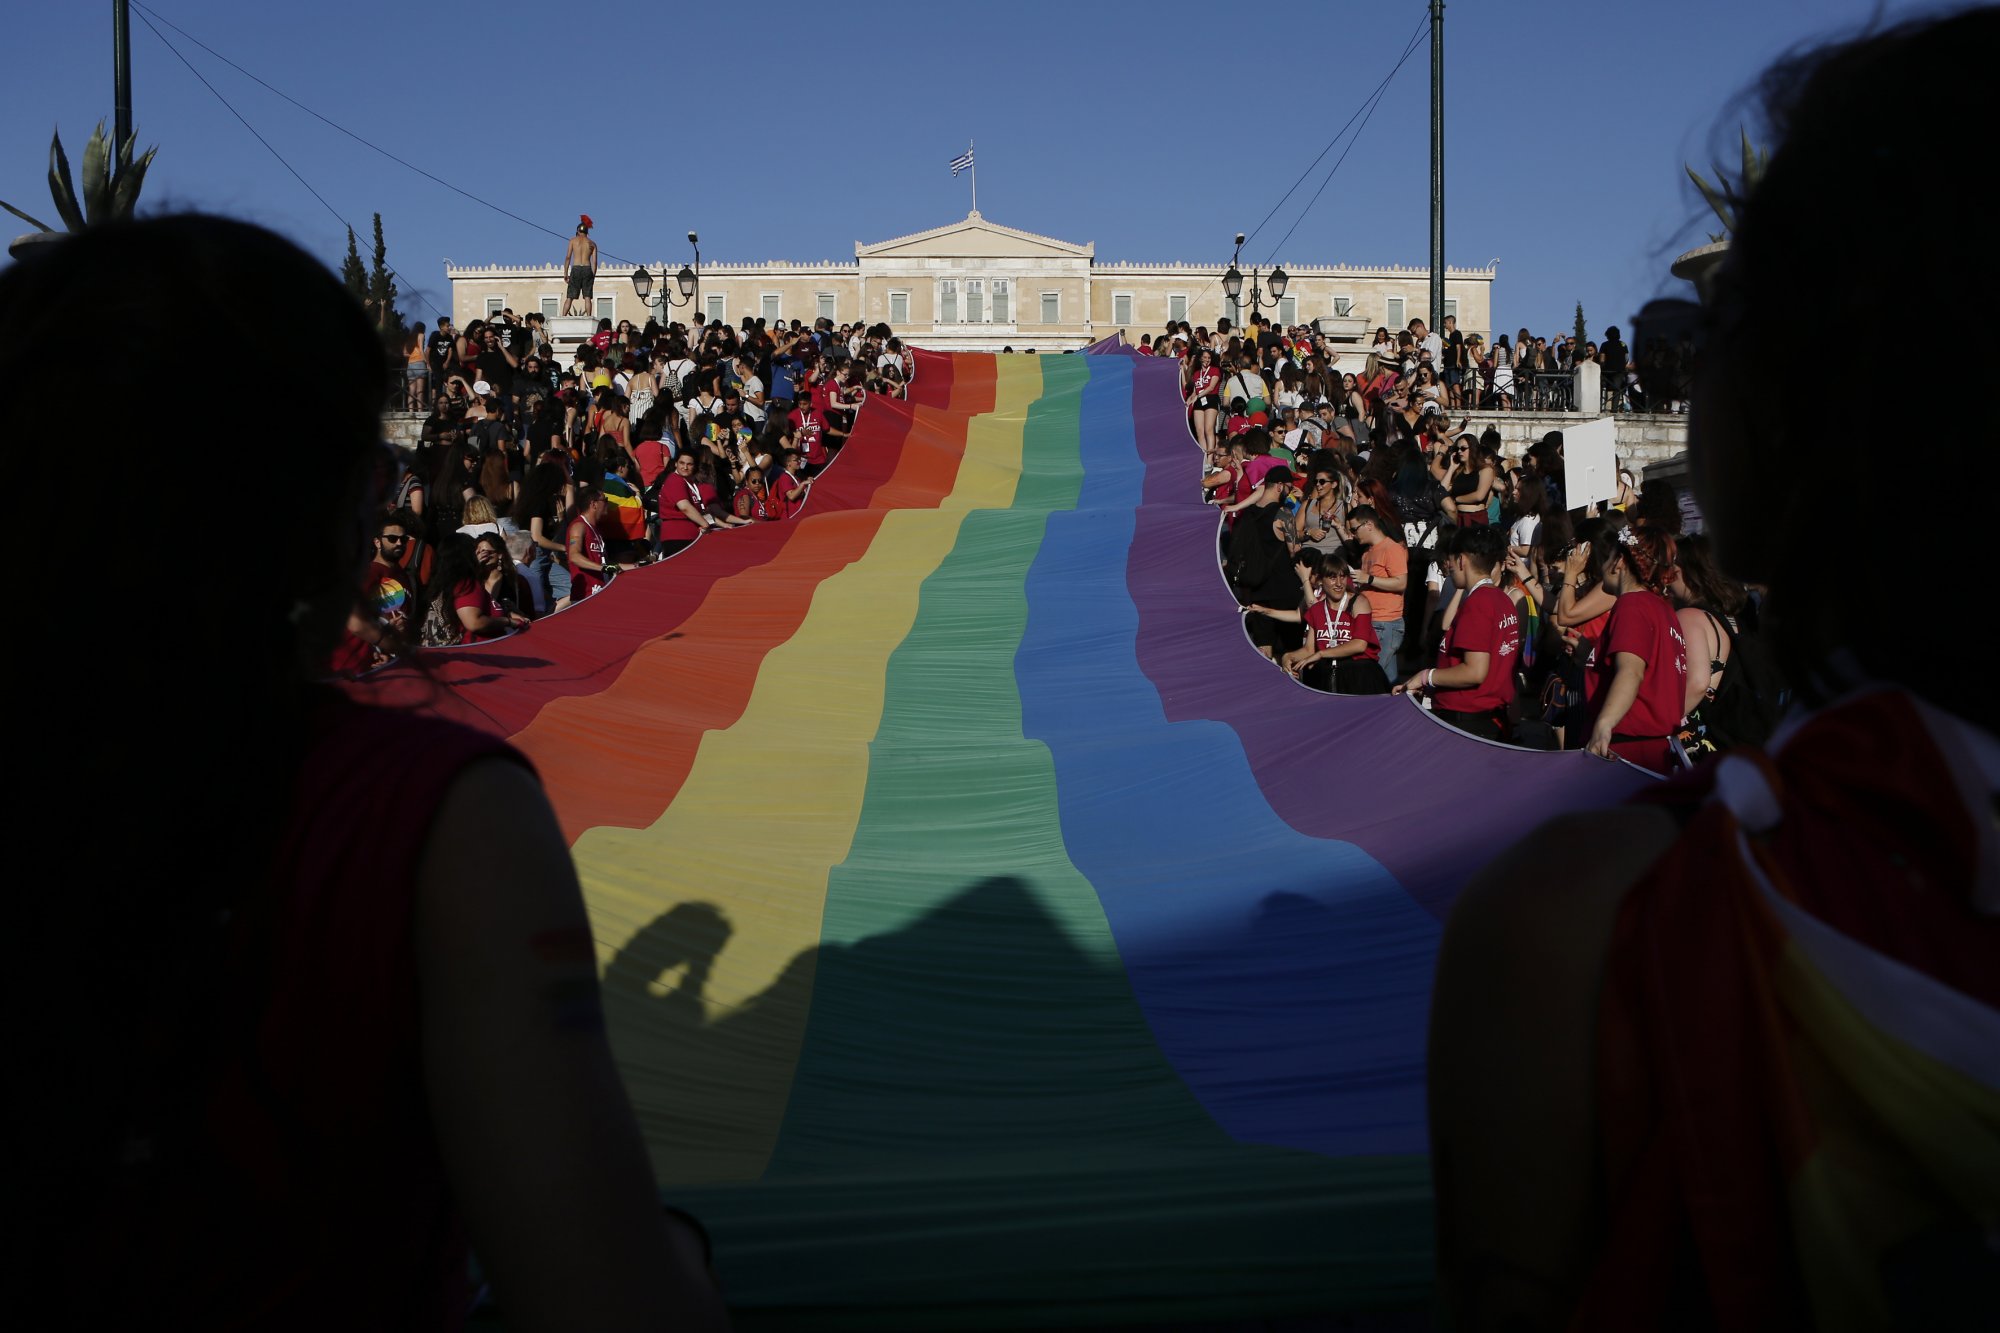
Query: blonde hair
[(479, 509)]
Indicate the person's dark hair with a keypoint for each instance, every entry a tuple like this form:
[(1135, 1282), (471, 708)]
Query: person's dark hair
[(117, 1048), (1822, 112), (1659, 505), (1650, 553), (455, 564), (1708, 587), (1555, 534), (1602, 536), (536, 494), (1485, 544), (1531, 495), (497, 542)]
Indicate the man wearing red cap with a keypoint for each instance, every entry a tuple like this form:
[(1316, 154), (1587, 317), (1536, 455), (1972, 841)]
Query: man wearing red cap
[(580, 261)]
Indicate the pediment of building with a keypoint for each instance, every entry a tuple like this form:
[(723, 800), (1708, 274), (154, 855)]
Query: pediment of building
[(974, 237)]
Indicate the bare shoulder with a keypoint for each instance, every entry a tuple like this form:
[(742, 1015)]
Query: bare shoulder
[(495, 852)]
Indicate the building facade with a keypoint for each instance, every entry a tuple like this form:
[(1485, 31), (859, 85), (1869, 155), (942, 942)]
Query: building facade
[(974, 285)]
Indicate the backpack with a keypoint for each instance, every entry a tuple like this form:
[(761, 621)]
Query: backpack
[(1747, 704), (440, 628)]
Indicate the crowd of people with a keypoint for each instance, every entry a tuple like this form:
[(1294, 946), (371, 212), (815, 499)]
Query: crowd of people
[(1375, 547), (533, 485), (1418, 369)]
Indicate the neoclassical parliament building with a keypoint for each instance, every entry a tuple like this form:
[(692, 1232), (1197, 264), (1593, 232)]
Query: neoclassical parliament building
[(974, 285)]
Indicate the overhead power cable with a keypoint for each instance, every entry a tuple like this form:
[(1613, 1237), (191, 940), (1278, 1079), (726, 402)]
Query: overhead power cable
[(402, 282), (1372, 105), (1415, 39), (366, 143), (1363, 113)]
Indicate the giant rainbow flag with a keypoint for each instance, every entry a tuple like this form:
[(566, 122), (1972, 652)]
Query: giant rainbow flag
[(990, 935)]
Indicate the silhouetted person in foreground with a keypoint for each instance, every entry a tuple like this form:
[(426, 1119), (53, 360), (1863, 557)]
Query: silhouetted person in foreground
[(306, 996), (1725, 1058)]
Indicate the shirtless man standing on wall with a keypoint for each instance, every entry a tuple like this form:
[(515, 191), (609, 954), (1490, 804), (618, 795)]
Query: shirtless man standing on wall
[(580, 262)]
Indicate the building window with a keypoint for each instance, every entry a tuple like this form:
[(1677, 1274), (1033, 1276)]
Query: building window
[(1234, 310), (899, 309), (1003, 301), (1288, 310), (975, 301), (768, 306), (947, 301), (551, 307), (607, 307), (1051, 307), (1451, 307), (717, 309), (823, 305), (1396, 322), (1121, 309), (1176, 309), (494, 305), (1343, 306)]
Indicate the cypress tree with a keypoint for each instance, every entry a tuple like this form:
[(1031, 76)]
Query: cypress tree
[(351, 273), (382, 286)]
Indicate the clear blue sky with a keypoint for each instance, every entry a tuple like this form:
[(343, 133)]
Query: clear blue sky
[(793, 130)]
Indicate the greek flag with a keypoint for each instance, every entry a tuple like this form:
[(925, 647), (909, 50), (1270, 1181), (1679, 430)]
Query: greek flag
[(961, 162)]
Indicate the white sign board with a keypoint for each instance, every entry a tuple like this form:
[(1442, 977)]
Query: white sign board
[(1590, 463)]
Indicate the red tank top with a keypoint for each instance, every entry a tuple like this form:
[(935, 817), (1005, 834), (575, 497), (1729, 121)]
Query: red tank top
[(314, 1196)]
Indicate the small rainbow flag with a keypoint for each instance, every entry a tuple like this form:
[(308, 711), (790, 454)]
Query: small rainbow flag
[(624, 516)]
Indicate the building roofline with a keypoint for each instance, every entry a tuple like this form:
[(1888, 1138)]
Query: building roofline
[(1086, 249)]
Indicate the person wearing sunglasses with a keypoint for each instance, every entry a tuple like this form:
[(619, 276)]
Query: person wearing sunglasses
[(378, 624)]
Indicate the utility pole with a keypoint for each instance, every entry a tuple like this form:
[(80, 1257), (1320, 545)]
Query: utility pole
[(1437, 165), (121, 75)]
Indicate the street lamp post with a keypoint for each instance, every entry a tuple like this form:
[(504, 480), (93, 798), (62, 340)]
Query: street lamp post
[(695, 241), (1232, 283), (642, 283)]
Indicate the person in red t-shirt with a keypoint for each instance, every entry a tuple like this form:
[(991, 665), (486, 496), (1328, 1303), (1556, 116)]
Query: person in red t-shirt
[(684, 505), (809, 424), (477, 610), (1340, 654), (588, 569), (788, 485), (380, 619), (1635, 679), (654, 457), (1472, 686)]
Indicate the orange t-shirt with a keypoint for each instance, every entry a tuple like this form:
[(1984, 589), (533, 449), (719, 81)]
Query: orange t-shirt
[(1386, 559)]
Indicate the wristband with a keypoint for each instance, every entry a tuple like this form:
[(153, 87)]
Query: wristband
[(1430, 679)]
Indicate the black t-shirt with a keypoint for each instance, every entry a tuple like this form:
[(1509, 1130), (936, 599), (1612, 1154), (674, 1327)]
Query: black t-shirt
[(439, 346), (1614, 354), (1263, 565), (1454, 350), (493, 368)]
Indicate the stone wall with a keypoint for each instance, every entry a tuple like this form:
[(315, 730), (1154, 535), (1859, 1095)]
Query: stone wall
[(403, 429), (1643, 438)]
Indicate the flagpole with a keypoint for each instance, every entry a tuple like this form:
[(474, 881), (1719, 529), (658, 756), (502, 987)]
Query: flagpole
[(975, 174)]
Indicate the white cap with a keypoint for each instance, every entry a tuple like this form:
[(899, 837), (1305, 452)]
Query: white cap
[(481, 387)]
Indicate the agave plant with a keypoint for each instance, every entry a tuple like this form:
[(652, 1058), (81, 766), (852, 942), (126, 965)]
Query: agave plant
[(1719, 199), (106, 196)]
